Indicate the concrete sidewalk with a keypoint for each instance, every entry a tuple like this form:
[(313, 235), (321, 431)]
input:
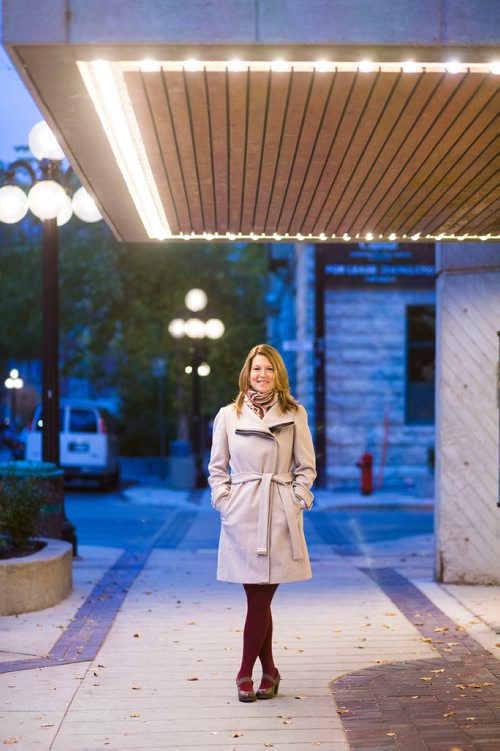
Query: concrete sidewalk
[(373, 654)]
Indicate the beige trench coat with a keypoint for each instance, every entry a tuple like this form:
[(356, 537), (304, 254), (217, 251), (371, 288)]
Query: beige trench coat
[(260, 470)]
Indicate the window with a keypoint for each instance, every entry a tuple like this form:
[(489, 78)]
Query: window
[(420, 364), (82, 421)]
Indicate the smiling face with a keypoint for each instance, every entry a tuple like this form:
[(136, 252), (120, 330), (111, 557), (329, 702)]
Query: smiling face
[(262, 374)]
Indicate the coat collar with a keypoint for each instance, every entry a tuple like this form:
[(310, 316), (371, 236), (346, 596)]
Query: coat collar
[(249, 422)]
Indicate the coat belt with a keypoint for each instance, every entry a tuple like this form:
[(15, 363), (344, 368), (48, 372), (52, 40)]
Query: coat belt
[(264, 521)]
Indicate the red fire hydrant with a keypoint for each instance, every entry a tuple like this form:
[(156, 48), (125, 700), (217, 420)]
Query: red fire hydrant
[(366, 466)]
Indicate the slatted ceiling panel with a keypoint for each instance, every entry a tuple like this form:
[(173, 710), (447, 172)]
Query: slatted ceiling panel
[(467, 173), (452, 135), (271, 135), (147, 124), (416, 145), (386, 165), (324, 139), (354, 164), (308, 152), (179, 112), (217, 104), (167, 140), (352, 199), (202, 144), (314, 111), (333, 177), (237, 105), (448, 200), (258, 85)]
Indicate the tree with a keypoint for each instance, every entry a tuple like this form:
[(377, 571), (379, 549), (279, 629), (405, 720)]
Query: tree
[(115, 305)]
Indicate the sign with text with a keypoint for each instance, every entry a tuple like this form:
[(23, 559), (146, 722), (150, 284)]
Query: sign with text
[(394, 265)]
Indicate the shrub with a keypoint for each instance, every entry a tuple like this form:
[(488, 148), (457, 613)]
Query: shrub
[(20, 499)]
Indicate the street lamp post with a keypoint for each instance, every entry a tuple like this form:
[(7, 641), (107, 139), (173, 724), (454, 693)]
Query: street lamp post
[(48, 200), (12, 384), (197, 329)]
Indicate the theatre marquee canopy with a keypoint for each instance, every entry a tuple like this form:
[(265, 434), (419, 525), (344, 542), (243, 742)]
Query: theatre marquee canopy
[(242, 135)]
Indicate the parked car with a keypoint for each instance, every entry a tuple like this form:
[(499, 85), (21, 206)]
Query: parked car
[(88, 441)]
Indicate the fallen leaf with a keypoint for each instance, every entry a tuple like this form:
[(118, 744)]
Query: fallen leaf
[(379, 662), (343, 711), (497, 644), (428, 640), (441, 670), (442, 628), (191, 623), (136, 714), (268, 745), (391, 734), (300, 696), (470, 718), (193, 678), (472, 685), (136, 636), (47, 725), (449, 714), (136, 688), (415, 697), (459, 628), (236, 735), (10, 741), (425, 678), (390, 613)]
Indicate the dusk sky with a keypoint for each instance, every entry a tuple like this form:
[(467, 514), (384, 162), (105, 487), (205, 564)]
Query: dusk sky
[(18, 112)]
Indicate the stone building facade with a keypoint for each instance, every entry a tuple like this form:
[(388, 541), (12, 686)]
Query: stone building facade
[(366, 381)]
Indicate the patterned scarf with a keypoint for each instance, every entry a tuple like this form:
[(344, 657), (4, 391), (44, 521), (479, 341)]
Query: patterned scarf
[(260, 403)]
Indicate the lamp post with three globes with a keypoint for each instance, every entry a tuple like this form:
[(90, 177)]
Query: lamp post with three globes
[(48, 200), (197, 329)]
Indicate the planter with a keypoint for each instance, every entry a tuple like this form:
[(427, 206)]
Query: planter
[(36, 581)]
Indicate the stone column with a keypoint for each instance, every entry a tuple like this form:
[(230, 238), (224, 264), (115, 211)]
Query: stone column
[(467, 413)]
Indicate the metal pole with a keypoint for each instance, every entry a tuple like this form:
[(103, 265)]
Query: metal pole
[(50, 343), (196, 418), (161, 424), (498, 406), (320, 366), (13, 408), (50, 360)]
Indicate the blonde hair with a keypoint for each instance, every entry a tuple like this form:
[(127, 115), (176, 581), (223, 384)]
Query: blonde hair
[(281, 385)]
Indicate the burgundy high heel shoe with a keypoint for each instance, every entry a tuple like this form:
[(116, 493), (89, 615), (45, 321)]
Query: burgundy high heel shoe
[(245, 696), (268, 693)]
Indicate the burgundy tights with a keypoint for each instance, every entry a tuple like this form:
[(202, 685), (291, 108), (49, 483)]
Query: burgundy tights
[(258, 632)]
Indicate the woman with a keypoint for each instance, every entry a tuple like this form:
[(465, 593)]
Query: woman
[(261, 469)]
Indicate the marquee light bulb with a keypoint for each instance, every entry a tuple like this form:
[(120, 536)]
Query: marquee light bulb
[(409, 66), (366, 66)]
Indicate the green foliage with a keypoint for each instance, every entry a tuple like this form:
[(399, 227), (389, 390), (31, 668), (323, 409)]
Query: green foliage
[(115, 305), (20, 301), (20, 499)]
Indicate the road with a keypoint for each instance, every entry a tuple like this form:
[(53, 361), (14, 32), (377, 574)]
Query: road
[(112, 519)]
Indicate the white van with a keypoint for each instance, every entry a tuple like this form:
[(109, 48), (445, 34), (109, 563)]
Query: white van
[(88, 441)]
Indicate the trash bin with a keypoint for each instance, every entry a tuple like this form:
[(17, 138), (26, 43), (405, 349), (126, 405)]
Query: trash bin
[(50, 478), (182, 466)]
